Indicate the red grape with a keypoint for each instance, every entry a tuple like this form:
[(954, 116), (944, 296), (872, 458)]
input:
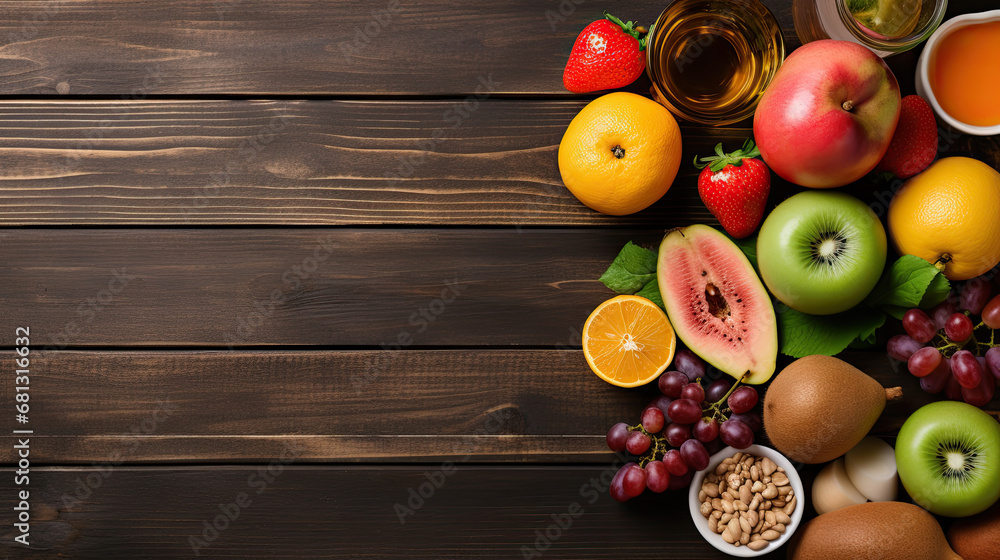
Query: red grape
[(959, 327), (751, 419), (713, 446), (634, 480), (966, 369), (694, 454), (677, 434), (952, 390), (918, 325), (936, 381), (675, 463), (617, 436), (637, 443), (991, 313), (923, 361), (706, 429), (901, 347), (981, 394), (682, 481), (652, 420), (661, 402), (671, 383), (736, 434), (684, 411), (688, 363), (993, 361), (743, 400), (940, 312), (975, 294), (693, 391), (716, 390), (616, 489), (657, 476)]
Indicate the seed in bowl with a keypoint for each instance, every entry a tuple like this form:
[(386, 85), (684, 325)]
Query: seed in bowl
[(748, 500)]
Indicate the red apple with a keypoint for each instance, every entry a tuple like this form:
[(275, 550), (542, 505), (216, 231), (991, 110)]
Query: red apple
[(827, 118)]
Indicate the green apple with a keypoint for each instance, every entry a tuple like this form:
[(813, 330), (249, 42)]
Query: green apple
[(948, 457), (821, 252)]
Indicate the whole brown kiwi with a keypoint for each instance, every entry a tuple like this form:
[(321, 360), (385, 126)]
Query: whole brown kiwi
[(977, 537), (883, 530), (819, 407)]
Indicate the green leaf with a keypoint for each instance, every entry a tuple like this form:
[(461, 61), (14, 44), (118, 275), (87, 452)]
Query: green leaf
[(906, 283), (801, 334), (632, 269), (869, 321), (938, 291), (859, 344), (651, 291)]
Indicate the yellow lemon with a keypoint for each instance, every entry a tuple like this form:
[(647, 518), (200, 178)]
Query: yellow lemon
[(949, 215), (628, 341), (620, 153)]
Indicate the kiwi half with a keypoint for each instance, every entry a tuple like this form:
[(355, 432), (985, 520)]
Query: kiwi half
[(821, 252), (948, 457)]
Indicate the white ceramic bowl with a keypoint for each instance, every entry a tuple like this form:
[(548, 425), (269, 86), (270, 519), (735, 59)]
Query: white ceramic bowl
[(923, 70), (715, 539)]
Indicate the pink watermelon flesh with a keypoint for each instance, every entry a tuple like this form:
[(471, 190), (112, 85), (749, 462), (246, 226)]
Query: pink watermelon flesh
[(717, 304)]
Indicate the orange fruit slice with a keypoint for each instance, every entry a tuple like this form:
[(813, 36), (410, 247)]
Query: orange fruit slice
[(628, 341)]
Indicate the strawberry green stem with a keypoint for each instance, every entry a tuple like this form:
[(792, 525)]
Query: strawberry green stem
[(721, 159), (629, 28)]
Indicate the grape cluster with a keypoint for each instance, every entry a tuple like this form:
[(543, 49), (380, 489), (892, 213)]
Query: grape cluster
[(948, 351), (681, 428)]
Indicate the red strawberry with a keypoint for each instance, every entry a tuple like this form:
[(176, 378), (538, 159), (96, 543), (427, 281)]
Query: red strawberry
[(734, 188), (608, 54), (915, 142)]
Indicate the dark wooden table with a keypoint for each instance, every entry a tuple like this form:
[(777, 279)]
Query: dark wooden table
[(306, 271)]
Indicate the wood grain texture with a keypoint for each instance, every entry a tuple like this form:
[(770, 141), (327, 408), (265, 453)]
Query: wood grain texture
[(306, 162), (325, 163), (533, 405), (121, 48), (308, 47), (328, 288), (319, 287), (348, 512), (349, 406)]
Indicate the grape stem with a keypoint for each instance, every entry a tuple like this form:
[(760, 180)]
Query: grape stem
[(657, 448), (716, 408), (948, 347)]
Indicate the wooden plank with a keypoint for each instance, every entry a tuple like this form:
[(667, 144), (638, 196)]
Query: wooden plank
[(403, 406), (309, 47), (197, 47), (233, 288), (306, 163), (534, 405), (349, 512), (325, 287), (323, 163)]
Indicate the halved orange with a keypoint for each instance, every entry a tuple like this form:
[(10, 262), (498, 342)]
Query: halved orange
[(628, 341)]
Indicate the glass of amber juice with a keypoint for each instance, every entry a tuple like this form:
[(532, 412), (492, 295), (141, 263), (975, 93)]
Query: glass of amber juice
[(710, 60)]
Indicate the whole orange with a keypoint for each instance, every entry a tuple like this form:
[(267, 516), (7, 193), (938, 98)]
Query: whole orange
[(949, 215), (620, 153)]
